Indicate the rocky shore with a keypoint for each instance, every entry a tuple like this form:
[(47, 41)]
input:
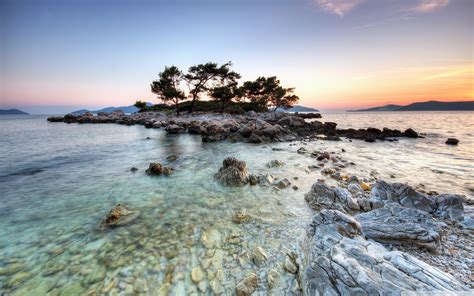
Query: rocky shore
[(375, 238), (367, 236), (251, 127)]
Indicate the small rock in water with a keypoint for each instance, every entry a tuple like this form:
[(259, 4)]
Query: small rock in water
[(133, 169), (241, 217), (282, 184), (17, 279), (253, 180), (452, 141), (295, 187), (247, 286), (290, 265), (172, 157), (120, 215), (156, 169), (259, 256), (265, 179), (272, 278), (275, 163), (197, 274)]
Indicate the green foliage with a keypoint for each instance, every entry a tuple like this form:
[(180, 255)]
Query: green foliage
[(266, 91), (200, 77), (141, 105), (167, 87), (220, 84)]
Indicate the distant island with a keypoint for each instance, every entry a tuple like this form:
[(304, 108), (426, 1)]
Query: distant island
[(12, 112), (299, 108), (424, 106), (126, 109)]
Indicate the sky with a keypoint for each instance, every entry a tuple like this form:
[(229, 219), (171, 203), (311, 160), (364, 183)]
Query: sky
[(58, 56)]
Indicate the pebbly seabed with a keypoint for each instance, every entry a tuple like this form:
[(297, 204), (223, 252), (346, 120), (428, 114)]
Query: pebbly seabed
[(196, 235)]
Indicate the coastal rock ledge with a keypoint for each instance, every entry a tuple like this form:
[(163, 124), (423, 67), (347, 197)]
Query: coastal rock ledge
[(250, 127)]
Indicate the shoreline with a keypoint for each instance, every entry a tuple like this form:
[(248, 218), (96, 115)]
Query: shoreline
[(251, 127)]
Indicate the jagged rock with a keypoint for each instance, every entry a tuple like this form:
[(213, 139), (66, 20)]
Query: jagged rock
[(233, 172), (452, 141), (275, 163), (156, 169), (445, 205), (247, 286), (338, 261), (322, 196), (397, 225), (120, 215)]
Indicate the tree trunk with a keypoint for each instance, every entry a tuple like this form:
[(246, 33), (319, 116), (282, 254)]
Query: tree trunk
[(191, 109), (177, 108)]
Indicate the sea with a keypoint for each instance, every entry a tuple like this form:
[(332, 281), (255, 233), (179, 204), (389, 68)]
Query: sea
[(58, 182)]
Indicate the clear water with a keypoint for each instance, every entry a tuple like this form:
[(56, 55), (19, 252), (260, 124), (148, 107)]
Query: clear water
[(58, 181)]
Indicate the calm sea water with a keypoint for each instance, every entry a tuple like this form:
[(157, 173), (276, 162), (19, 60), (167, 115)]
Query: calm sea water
[(58, 181)]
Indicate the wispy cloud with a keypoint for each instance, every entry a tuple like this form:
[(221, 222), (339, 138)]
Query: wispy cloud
[(338, 7), (427, 6)]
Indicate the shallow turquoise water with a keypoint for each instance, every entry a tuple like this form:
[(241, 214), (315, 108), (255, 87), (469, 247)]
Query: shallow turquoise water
[(58, 181)]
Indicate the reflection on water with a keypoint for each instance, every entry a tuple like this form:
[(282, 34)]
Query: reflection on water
[(58, 182)]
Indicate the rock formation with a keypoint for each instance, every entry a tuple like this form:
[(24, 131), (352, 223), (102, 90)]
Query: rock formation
[(233, 172)]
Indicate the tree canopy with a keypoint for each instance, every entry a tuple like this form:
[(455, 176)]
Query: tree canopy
[(220, 83), (167, 87)]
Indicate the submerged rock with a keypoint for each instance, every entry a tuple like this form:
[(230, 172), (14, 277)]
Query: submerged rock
[(233, 172), (241, 217), (275, 163), (120, 215), (339, 261)]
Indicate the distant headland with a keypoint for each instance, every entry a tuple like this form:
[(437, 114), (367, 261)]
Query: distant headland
[(424, 106), (12, 112)]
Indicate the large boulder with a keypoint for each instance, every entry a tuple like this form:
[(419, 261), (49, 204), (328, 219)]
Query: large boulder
[(397, 225), (322, 196), (446, 206), (339, 261), (233, 172)]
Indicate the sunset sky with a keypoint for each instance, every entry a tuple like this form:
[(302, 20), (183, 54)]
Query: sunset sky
[(58, 56)]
